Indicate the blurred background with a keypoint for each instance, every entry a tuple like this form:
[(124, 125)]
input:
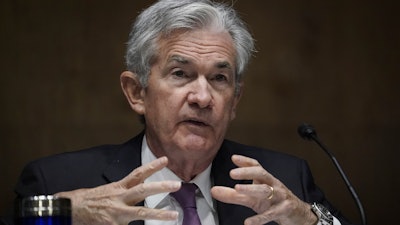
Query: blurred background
[(333, 64)]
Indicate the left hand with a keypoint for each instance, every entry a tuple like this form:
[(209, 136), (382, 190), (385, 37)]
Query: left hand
[(267, 196)]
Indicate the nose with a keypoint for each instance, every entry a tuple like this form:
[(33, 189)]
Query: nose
[(200, 93)]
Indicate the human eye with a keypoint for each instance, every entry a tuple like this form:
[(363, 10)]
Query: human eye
[(179, 73), (220, 78)]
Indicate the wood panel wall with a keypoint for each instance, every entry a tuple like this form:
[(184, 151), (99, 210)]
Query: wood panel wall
[(333, 64)]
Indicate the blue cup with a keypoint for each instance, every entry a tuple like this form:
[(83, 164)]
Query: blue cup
[(43, 210)]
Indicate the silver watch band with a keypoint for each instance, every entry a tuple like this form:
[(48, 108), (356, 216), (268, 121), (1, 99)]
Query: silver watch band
[(323, 214)]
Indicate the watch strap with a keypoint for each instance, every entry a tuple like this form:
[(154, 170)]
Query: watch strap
[(323, 214)]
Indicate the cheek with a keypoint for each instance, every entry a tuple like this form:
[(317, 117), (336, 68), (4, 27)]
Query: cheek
[(230, 103), (163, 104)]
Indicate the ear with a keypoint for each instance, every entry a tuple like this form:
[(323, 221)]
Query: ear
[(133, 90), (236, 100)]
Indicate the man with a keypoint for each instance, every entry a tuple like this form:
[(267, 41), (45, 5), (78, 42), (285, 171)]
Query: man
[(185, 62)]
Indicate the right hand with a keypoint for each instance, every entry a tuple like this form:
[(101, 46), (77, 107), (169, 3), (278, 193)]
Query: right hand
[(114, 203)]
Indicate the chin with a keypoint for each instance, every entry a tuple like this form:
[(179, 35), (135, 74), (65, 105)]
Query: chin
[(195, 142), (199, 144)]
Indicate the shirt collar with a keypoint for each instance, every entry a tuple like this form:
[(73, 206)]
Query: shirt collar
[(202, 180)]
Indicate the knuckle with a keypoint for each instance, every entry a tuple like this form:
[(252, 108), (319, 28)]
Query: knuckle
[(257, 206), (266, 188), (141, 189), (151, 167), (138, 173), (265, 217), (286, 196), (141, 213), (166, 186), (263, 172)]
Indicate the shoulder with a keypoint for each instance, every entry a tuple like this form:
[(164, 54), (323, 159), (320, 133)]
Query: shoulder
[(286, 167), (95, 152), (72, 170), (263, 155), (291, 170), (79, 158), (92, 157), (65, 171)]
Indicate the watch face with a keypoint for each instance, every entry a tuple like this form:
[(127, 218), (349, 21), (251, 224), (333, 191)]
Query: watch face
[(323, 210), (323, 214)]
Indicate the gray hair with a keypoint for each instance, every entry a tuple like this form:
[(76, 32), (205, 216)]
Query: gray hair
[(166, 16)]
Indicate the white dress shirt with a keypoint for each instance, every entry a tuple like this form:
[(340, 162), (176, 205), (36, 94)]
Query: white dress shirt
[(205, 203)]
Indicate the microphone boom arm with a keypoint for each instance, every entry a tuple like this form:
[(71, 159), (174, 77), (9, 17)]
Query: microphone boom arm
[(308, 132)]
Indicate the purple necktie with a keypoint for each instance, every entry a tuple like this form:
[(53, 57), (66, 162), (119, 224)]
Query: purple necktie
[(187, 199)]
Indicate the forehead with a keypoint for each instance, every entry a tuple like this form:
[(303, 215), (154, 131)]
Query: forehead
[(198, 46)]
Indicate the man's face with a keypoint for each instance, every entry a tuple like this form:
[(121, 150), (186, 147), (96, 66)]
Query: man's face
[(190, 98)]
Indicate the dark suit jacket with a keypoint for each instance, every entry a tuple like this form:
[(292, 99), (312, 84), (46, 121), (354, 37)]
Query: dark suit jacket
[(104, 164)]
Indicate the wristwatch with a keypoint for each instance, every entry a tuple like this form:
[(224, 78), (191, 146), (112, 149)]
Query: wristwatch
[(324, 216)]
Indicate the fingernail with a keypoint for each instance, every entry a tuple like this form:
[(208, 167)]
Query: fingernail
[(162, 160), (235, 173), (239, 187), (173, 215), (237, 157), (175, 184)]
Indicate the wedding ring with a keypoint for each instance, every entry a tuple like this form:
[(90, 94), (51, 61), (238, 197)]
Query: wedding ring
[(271, 194)]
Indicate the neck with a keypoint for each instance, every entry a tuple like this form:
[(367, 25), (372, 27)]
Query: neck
[(185, 163), (187, 169)]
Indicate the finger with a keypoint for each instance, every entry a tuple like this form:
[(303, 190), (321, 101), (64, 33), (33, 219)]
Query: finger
[(143, 213), (244, 161), (277, 213), (256, 173), (141, 191), (141, 173), (258, 191), (128, 214), (229, 195)]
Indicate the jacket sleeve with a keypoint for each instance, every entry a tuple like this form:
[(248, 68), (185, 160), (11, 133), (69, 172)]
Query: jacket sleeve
[(31, 181), (314, 194)]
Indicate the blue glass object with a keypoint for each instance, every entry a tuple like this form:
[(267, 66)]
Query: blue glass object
[(43, 210), (45, 220)]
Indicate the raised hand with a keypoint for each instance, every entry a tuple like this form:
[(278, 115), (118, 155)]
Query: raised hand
[(267, 196), (114, 203)]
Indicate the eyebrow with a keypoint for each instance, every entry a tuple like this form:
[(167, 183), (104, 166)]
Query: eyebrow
[(223, 65), (179, 59), (183, 60)]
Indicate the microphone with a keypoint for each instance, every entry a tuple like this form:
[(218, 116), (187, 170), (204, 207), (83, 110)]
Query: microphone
[(308, 132)]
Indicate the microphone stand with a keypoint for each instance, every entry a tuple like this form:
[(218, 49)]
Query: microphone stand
[(308, 132)]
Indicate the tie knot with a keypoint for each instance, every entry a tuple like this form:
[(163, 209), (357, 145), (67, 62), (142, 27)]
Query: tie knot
[(186, 195)]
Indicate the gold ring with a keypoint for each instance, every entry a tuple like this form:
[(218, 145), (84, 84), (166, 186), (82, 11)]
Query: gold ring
[(272, 193)]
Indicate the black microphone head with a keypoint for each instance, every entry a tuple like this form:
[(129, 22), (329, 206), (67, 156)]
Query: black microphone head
[(306, 131)]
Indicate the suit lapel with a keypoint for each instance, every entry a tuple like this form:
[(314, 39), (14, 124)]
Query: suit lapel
[(228, 214), (127, 159)]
